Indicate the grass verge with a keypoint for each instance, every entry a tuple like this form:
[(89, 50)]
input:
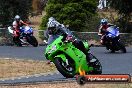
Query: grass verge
[(15, 67), (73, 85)]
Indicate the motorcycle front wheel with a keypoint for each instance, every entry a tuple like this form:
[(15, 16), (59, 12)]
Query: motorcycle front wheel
[(32, 40), (122, 47), (67, 71)]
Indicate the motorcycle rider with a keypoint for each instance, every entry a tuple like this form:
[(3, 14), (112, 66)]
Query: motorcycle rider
[(103, 29), (54, 29), (17, 24)]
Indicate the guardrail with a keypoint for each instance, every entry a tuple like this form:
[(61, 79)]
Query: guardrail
[(5, 36), (72, 31)]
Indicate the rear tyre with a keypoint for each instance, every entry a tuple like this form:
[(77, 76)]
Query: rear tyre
[(32, 40), (97, 67), (65, 70)]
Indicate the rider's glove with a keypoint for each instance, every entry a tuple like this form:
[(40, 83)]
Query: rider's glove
[(20, 28), (69, 38)]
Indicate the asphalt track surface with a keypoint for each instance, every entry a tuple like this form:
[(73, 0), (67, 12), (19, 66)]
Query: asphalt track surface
[(112, 63)]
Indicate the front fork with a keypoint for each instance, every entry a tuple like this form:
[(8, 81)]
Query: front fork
[(67, 62)]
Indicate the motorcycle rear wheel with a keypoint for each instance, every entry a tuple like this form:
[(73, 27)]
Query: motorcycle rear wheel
[(96, 65), (17, 41), (81, 80)]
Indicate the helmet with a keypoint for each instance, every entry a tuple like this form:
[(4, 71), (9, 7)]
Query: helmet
[(51, 19), (104, 21), (17, 17), (52, 26)]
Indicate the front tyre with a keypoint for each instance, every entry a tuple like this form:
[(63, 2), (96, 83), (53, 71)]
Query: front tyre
[(32, 40), (67, 71), (122, 47)]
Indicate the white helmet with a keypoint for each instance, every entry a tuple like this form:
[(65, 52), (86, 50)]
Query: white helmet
[(17, 17), (51, 19), (52, 27), (51, 24)]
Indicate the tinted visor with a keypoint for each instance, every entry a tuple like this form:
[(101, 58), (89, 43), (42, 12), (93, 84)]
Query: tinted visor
[(17, 19), (104, 23), (51, 30)]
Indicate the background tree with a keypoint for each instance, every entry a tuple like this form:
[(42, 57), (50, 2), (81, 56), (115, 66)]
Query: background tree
[(124, 8), (10, 8), (75, 13)]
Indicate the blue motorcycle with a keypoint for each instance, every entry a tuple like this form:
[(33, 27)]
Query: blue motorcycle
[(112, 40), (27, 36)]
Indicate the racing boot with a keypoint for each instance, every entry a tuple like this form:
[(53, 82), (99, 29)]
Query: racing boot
[(90, 59)]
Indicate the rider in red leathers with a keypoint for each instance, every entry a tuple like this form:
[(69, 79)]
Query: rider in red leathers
[(17, 24)]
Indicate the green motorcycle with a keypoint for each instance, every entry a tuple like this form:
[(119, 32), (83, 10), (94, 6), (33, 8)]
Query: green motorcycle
[(68, 59)]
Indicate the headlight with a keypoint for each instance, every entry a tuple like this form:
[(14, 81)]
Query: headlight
[(52, 49)]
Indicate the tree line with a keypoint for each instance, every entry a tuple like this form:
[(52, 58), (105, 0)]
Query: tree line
[(124, 9), (10, 8), (75, 13), (24, 8), (78, 14)]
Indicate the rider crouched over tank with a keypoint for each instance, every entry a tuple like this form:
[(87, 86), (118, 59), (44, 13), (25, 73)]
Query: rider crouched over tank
[(110, 37), (103, 30), (55, 29)]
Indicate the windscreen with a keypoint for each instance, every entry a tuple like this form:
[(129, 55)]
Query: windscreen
[(113, 31)]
